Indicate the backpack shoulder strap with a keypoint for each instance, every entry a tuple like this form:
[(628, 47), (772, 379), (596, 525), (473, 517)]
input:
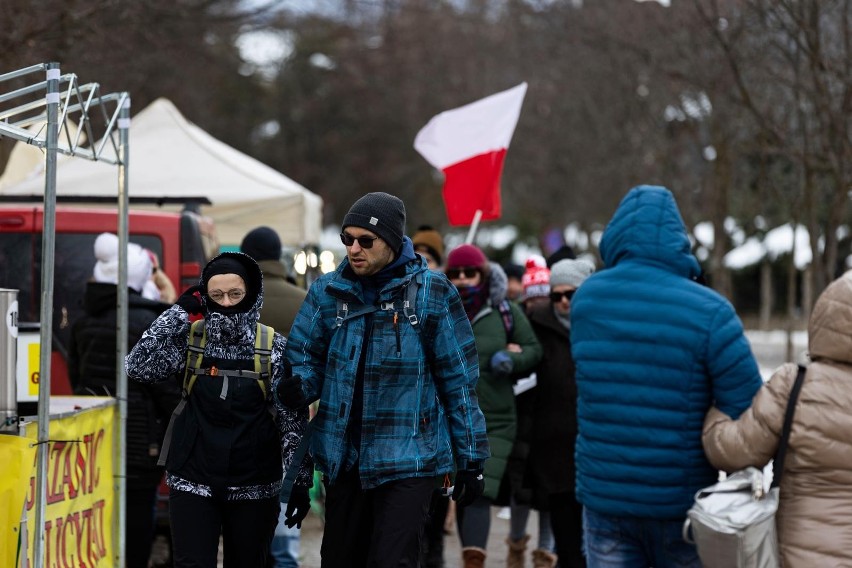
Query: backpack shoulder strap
[(505, 309), (409, 300), (263, 356), (344, 314), (194, 355)]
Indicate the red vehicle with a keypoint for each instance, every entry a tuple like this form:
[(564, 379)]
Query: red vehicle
[(184, 242)]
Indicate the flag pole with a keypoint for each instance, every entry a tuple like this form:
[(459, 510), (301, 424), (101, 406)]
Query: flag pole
[(474, 225)]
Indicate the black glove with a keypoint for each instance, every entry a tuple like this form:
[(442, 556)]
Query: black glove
[(298, 506), (469, 485), (290, 389), (190, 302)]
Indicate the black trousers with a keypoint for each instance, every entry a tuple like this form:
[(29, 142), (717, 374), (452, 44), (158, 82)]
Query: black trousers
[(432, 544), (379, 527), (566, 520), (140, 497), (246, 527)]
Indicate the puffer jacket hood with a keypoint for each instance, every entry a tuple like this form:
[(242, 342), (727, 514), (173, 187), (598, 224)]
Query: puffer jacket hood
[(647, 226), (829, 333), (498, 284), (226, 328)]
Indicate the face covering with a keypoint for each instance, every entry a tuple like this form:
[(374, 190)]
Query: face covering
[(473, 299)]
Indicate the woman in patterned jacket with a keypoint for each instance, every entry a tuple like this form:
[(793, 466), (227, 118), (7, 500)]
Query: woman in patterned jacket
[(224, 451)]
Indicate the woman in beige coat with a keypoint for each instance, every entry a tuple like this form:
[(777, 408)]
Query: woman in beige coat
[(815, 511)]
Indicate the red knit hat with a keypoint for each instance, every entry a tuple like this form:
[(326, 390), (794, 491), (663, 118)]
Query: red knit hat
[(536, 279), (467, 255)]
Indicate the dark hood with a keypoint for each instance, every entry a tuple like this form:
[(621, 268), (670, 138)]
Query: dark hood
[(238, 326)]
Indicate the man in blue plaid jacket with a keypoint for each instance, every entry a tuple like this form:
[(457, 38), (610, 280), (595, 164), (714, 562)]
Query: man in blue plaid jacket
[(386, 347)]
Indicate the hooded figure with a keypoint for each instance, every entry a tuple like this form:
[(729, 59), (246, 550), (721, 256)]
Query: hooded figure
[(814, 528), (224, 465), (653, 351)]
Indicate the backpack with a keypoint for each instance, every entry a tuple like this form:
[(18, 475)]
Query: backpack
[(262, 373), (409, 295), (409, 300)]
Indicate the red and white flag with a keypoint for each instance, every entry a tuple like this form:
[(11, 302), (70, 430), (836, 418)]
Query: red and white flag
[(469, 145)]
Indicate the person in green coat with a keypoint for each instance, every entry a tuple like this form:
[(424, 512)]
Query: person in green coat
[(507, 347)]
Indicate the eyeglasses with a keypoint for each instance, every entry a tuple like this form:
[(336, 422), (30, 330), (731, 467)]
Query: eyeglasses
[(463, 272), (364, 241), (556, 297), (235, 295)]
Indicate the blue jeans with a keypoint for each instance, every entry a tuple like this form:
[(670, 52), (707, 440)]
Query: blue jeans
[(285, 543), (631, 542)]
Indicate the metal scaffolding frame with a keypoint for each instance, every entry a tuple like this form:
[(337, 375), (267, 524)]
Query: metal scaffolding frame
[(39, 114)]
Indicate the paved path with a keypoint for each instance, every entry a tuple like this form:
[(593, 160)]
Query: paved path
[(312, 538)]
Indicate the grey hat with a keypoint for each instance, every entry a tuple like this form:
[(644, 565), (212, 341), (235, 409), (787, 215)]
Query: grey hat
[(381, 213), (570, 272)]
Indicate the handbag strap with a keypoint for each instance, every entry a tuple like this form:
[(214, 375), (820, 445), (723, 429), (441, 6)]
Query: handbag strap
[(781, 454)]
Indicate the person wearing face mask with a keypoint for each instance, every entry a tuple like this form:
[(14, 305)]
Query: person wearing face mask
[(229, 443), (505, 351), (547, 428)]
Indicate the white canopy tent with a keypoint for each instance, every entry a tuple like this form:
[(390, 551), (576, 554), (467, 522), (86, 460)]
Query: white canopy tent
[(172, 158)]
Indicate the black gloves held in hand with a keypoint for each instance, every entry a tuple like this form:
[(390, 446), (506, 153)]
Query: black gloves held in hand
[(290, 389), (469, 485), (298, 506), (190, 300)]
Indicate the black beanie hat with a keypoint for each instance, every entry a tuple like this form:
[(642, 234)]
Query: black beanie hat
[(381, 213), (262, 243)]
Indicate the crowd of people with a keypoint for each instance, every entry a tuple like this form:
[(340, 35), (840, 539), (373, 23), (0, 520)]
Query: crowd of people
[(443, 384)]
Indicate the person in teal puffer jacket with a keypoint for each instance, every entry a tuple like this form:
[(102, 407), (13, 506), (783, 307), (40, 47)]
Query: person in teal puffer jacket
[(654, 349), (396, 386)]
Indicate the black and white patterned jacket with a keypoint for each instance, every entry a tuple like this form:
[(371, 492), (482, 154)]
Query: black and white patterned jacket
[(223, 446)]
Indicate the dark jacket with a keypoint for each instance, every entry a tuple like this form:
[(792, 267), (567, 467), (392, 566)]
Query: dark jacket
[(91, 368), (653, 350), (281, 300), (419, 410), (226, 442), (547, 415)]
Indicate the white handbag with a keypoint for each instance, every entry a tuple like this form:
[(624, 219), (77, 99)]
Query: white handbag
[(732, 523)]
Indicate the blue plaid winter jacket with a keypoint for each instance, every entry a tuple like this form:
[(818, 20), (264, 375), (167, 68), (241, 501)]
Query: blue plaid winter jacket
[(420, 412)]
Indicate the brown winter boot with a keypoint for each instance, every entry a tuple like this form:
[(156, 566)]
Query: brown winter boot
[(544, 559), (515, 558), (473, 557)]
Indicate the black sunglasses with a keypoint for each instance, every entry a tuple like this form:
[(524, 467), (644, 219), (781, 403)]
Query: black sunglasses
[(556, 297), (365, 241), (463, 272)]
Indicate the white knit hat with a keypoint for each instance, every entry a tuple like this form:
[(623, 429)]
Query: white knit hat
[(139, 267), (569, 272)]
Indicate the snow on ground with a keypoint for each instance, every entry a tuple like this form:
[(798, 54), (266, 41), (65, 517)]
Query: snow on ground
[(770, 349)]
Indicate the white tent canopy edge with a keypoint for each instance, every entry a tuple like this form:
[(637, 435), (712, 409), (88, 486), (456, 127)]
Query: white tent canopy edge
[(173, 158)]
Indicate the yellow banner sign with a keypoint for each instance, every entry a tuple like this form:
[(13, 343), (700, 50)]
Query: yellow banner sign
[(78, 525), (17, 455)]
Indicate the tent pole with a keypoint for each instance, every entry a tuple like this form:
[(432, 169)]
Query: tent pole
[(48, 248), (120, 444)]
